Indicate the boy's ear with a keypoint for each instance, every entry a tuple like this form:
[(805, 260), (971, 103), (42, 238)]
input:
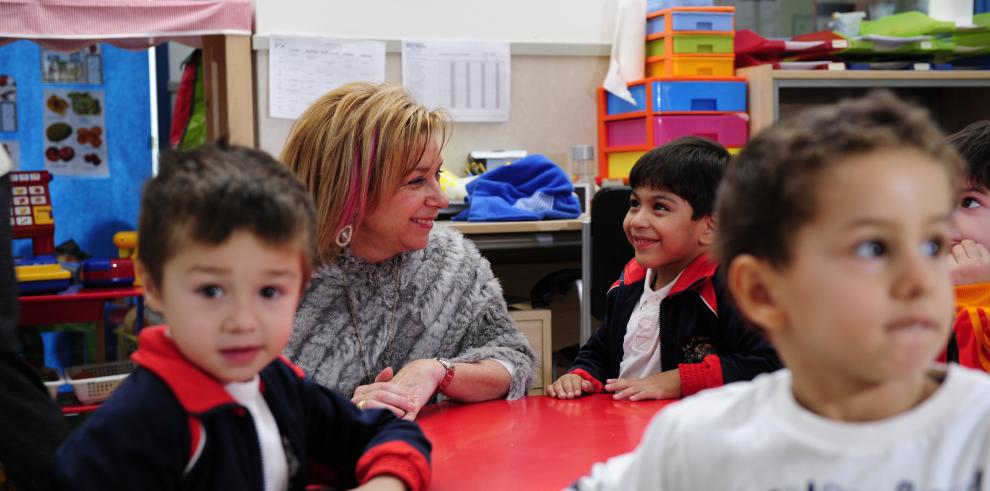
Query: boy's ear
[(152, 295), (750, 281), (707, 233)]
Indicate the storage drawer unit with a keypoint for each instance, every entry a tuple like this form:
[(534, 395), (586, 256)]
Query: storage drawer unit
[(728, 129), (689, 44), (626, 132), (727, 94), (713, 19), (618, 164), (658, 5), (691, 66), (699, 95)]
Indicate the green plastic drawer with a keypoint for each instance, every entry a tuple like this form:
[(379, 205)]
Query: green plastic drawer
[(703, 44)]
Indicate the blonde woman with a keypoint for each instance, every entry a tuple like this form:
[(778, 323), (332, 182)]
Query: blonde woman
[(400, 309)]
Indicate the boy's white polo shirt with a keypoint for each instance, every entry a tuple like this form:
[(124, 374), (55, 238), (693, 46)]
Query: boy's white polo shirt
[(276, 467), (641, 344)]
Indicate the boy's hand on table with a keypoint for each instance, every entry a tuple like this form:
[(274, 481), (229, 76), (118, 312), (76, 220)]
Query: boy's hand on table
[(663, 385), (383, 483), (568, 386), (969, 262)]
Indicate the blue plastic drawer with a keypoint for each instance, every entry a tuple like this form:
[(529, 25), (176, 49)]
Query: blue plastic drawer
[(701, 21), (727, 96), (656, 25), (658, 5), (614, 105)]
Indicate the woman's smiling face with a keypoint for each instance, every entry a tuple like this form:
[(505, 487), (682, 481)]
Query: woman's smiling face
[(402, 221)]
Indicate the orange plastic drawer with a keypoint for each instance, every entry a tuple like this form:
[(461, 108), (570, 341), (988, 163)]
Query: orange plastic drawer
[(691, 66)]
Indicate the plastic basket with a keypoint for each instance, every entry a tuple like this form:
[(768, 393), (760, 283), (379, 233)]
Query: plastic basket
[(106, 377)]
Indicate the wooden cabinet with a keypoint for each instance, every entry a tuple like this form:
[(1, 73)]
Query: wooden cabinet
[(955, 98), (535, 325)]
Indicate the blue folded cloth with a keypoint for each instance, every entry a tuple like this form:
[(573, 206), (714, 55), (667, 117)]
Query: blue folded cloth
[(532, 188)]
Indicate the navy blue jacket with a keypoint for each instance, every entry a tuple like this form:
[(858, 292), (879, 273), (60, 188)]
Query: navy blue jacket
[(701, 334), (169, 415)]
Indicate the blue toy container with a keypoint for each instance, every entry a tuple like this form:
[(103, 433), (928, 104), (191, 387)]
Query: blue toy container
[(723, 96), (615, 105), (658, 5), (702, 21), (688, 20)]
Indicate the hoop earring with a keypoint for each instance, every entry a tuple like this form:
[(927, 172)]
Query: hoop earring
[(344, 236)]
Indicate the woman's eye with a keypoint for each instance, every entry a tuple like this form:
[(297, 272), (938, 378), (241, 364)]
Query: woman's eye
[(437, 176), (870, 249), (269, 292), (211, 291), (970, 203)]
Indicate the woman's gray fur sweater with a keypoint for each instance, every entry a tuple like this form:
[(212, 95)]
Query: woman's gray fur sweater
[(450, 306)]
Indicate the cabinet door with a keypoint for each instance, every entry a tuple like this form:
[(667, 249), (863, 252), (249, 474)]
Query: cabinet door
[(535, 325)]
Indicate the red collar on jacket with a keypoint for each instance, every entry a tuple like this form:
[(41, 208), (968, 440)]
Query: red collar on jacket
[(697, 276), (196, 390)]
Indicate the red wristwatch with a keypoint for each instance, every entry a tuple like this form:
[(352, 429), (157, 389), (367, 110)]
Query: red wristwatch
[(447, 377)]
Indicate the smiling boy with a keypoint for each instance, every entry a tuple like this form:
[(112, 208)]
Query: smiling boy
[(669, 329)]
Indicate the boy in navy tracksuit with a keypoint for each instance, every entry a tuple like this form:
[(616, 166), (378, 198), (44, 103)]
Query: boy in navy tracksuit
[(669, 330), (227, 246)]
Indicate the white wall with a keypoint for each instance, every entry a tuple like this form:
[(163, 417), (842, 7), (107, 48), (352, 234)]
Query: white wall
[(525, 21), (559, 59)]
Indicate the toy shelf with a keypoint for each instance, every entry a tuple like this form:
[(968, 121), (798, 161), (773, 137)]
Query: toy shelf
[(77, 304)]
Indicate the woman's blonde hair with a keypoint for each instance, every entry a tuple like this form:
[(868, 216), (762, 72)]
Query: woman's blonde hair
[(352, 147)]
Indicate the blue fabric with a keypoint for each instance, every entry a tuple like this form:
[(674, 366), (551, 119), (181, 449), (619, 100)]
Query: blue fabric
[(532, 188), (88, 210)]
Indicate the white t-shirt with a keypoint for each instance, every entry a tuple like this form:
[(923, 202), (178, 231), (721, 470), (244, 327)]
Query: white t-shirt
[(641, 344), (754, 435), (276, 468)]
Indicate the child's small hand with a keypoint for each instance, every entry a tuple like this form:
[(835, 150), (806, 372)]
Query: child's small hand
[(663, 385), (969, 262), (383, 483), (569, 386)]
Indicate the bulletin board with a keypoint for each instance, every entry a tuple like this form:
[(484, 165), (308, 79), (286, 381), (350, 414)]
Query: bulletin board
[(88, 210)]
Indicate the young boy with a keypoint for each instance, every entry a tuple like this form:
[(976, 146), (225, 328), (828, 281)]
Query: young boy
[(969, 259), (835, 227), (226, 248), (669, 330)]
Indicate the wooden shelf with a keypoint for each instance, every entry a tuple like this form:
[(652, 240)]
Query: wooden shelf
[(955, 97)]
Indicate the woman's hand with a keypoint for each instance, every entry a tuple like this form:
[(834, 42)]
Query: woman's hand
[(403, 393), (663, 385), (569, 386), (384, 395)]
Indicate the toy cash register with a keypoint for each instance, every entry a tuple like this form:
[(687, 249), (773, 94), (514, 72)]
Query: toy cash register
[(31, 218)]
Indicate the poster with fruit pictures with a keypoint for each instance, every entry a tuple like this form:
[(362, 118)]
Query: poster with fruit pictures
[(74, 124)]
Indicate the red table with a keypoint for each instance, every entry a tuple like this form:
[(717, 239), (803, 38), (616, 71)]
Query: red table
[(77, 304), (534, 443)]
